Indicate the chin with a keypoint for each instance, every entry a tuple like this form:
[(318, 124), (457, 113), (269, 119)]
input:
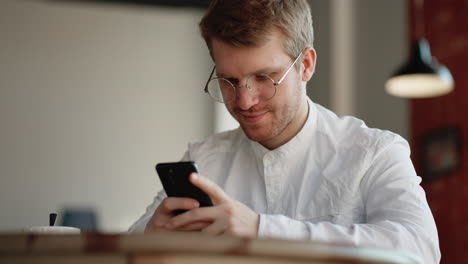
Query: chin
[(257, 134)]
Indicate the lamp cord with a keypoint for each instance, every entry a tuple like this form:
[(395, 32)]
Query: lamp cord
[(419, 15)]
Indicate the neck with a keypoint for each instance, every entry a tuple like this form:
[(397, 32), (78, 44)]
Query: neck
[(291, 130)]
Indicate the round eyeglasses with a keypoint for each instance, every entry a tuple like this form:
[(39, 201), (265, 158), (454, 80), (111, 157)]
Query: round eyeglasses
[(260, 86)]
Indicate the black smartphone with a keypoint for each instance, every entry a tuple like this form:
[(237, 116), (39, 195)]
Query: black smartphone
[(174, 177)]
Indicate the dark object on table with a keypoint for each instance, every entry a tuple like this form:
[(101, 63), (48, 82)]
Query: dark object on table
[(84, 219), (52, 218)]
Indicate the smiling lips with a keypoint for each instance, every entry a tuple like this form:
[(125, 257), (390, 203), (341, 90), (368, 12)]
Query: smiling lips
[(252, 117)]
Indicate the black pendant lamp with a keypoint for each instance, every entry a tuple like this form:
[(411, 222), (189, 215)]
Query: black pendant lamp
[(421, 76)]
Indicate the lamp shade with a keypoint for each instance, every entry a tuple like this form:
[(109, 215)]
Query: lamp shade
[(421, 76)]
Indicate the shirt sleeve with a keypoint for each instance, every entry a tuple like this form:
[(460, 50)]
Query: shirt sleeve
[(397, 214), (140, 225)]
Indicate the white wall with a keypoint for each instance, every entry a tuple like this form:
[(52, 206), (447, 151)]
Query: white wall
[(319, 87), (91, 98), (381, 47)]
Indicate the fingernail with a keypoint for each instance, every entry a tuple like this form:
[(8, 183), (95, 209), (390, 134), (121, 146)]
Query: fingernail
[(194, 176)]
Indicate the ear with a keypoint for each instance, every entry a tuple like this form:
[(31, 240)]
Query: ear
[(309, 59)]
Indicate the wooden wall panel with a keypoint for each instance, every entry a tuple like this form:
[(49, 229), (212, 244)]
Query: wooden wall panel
[(446, 29)]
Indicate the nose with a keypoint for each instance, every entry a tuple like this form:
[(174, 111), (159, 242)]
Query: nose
[(244, 99)]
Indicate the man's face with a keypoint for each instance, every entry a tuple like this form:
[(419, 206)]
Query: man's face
[(270, 122)]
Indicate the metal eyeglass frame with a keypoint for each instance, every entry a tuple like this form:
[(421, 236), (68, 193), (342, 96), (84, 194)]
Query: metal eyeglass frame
[(275, 84)]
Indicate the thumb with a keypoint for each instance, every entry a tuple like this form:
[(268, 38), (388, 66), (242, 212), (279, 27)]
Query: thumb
[(215, 192)]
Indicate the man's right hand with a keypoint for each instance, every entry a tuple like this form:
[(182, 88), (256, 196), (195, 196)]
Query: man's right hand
[(164, 213)]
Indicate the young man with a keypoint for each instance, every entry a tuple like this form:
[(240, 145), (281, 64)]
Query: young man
[(293, 169)]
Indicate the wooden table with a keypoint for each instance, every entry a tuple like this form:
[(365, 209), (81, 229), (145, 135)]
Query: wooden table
[(184, 248)]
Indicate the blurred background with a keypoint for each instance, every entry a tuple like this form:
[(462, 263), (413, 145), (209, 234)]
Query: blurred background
[(94, 93)]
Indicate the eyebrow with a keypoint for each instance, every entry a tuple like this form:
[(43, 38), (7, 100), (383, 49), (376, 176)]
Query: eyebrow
[(269, 70)]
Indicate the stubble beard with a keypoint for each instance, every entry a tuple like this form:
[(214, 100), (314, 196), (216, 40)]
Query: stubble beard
[(288, 113)]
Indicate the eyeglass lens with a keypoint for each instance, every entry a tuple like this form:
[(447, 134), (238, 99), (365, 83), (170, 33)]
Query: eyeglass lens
[(260, 86)]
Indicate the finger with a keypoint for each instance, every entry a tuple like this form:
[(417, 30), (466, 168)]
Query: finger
[(157, 223), (202, 214), (212, 189), (217, 228), (166, 209), (175, 203), (196, 226)]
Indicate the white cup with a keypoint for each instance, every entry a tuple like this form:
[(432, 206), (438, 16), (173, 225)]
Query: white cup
[(52, 230)]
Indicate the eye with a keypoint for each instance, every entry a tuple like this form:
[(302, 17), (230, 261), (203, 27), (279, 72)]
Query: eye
[(223, 84), (262, 77), (233, 81)]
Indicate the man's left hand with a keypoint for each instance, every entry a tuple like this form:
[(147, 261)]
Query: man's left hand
[(227, 216)]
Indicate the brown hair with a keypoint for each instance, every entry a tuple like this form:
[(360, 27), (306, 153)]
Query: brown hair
[(247, 23)]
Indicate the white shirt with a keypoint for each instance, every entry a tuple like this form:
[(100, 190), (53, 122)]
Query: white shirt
[(336, 181)]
